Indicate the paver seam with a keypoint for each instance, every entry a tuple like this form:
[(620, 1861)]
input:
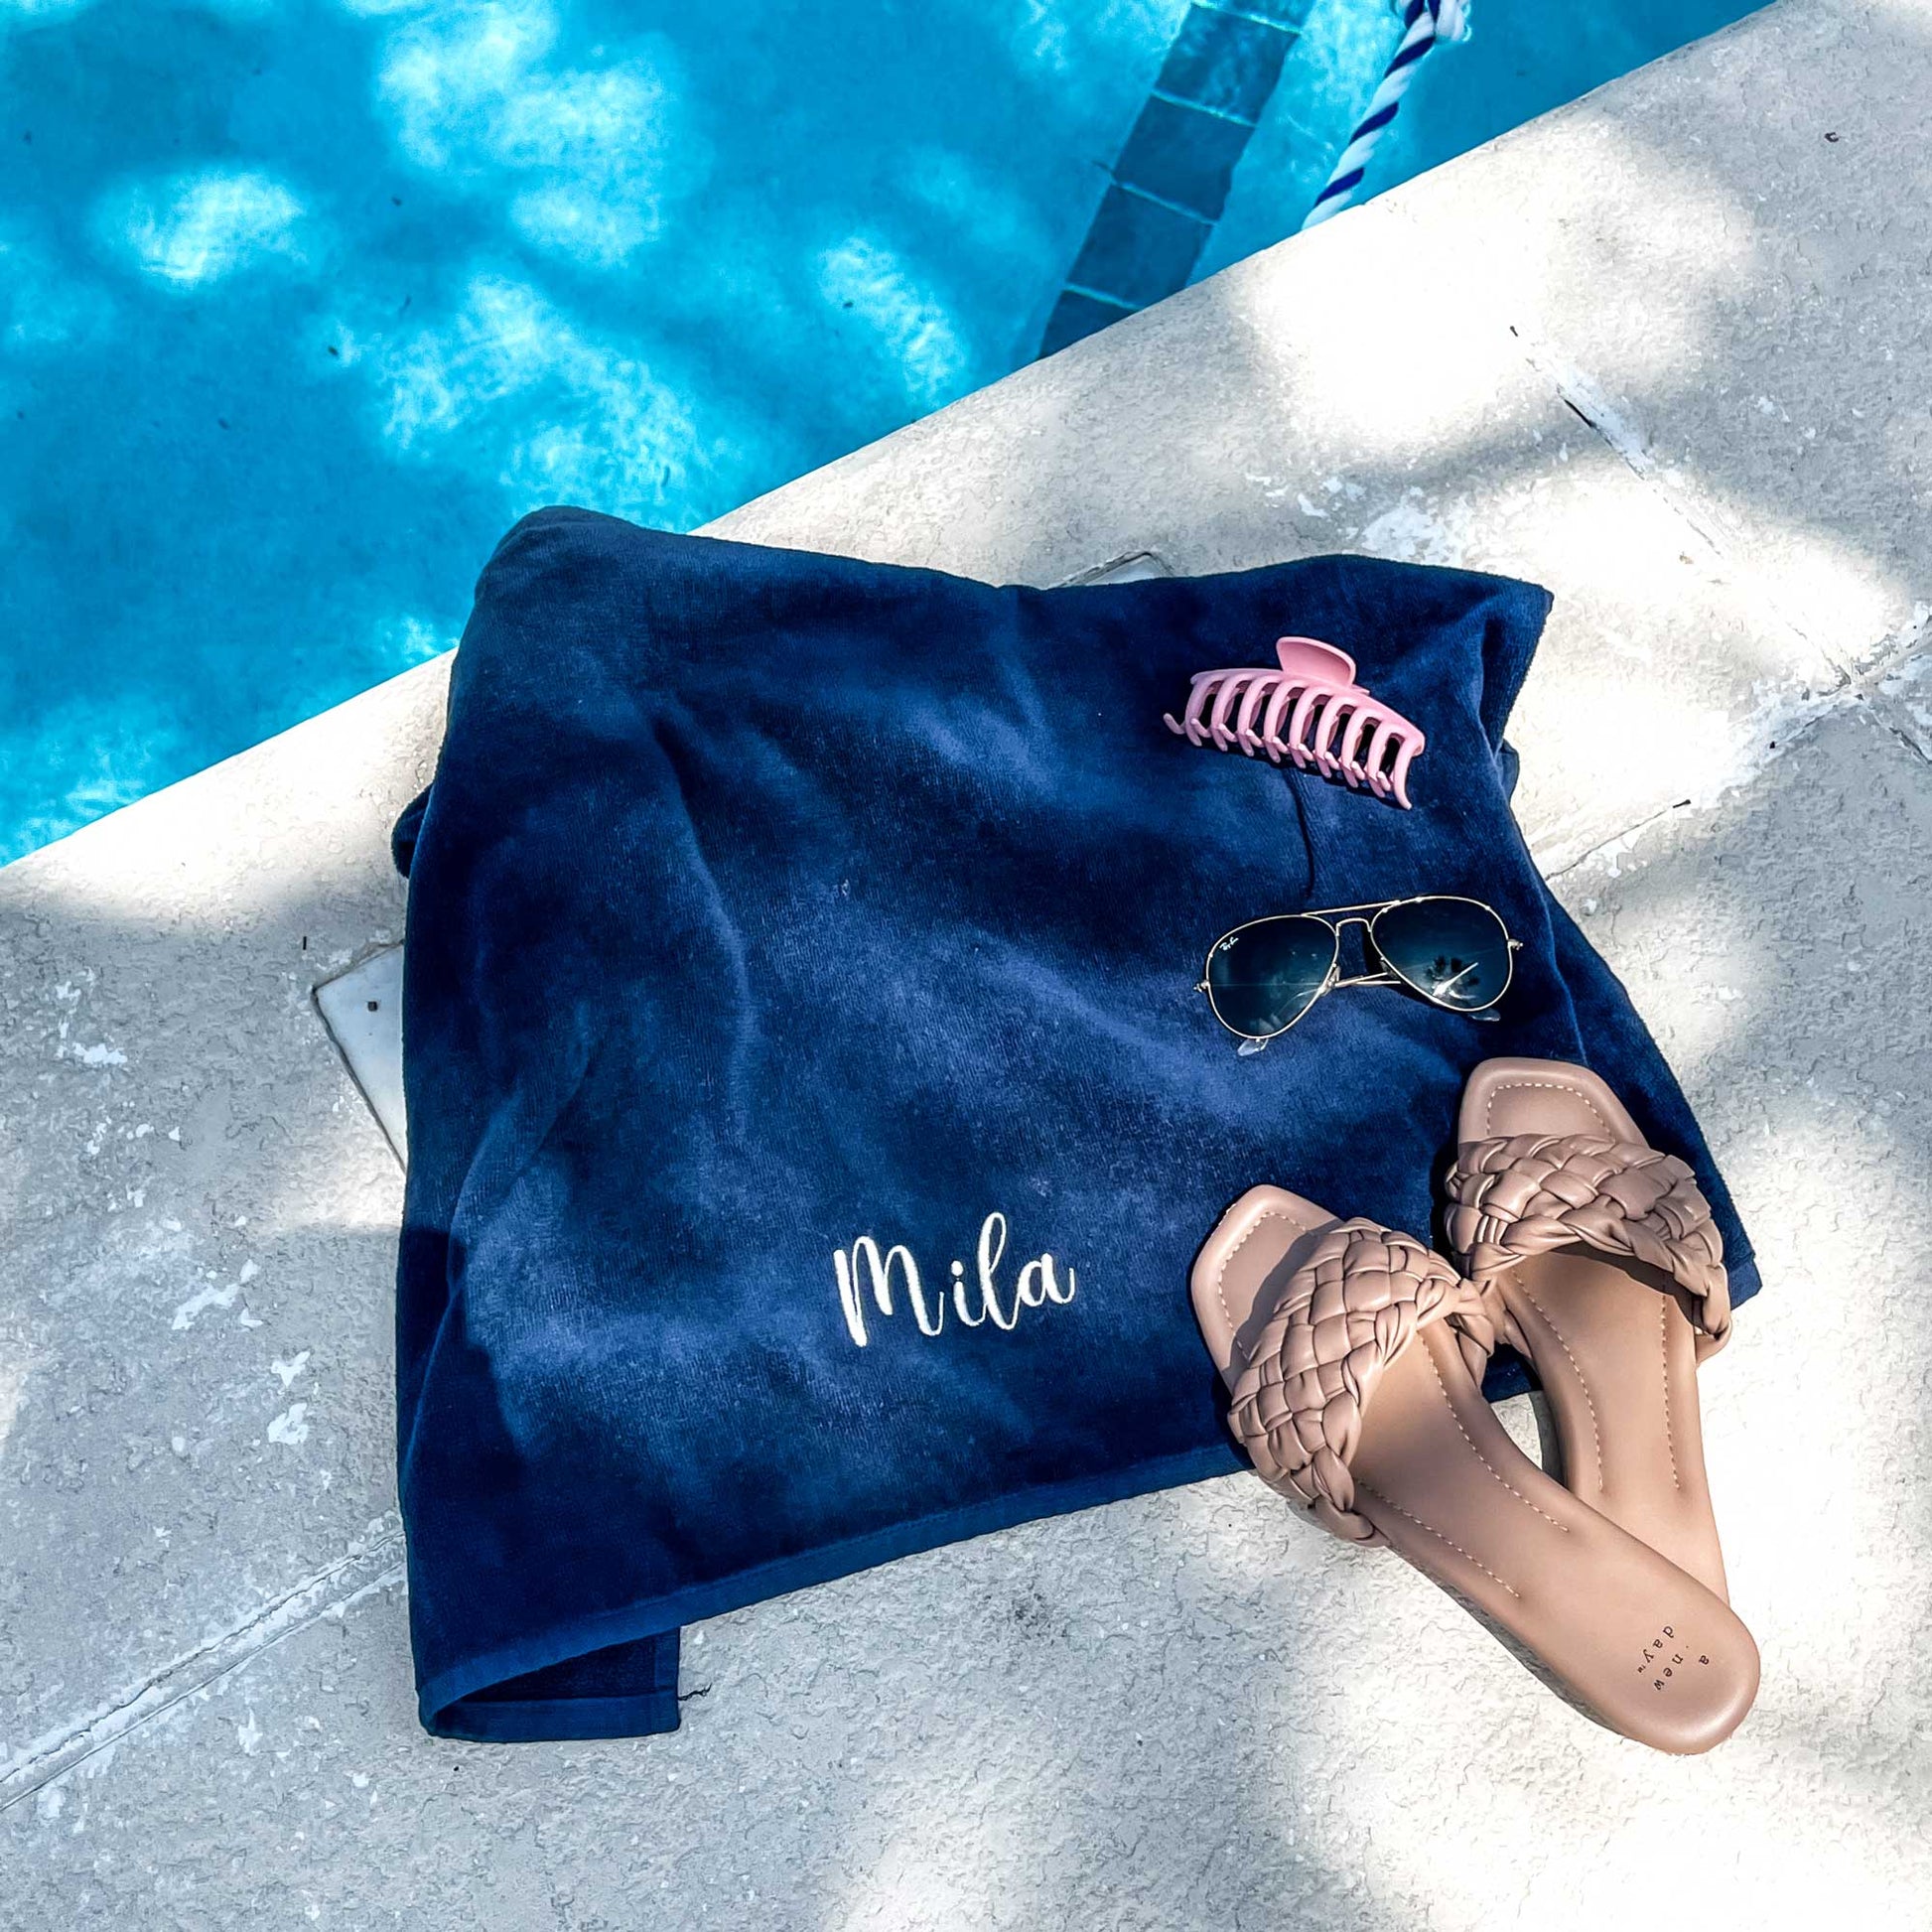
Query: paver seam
[(376, 1568)]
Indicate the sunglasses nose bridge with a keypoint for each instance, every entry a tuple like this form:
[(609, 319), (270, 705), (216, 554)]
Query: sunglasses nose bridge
[(1340, 925)]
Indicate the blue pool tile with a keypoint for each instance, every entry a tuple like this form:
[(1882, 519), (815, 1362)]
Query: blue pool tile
[(1292, 14), (1076, 316), (1180, 154), (1224, 62), (1137, 252)]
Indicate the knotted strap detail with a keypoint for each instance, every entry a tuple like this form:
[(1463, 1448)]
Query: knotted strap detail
[(1346, 1315), (1527, 1193)]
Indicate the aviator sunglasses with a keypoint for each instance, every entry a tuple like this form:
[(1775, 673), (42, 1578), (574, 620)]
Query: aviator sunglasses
[(1265, 975)]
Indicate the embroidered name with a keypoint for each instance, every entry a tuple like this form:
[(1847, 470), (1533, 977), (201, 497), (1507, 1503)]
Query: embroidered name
[(864, 1273)]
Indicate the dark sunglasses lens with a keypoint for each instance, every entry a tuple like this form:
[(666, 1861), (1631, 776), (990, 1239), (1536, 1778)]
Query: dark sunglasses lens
[(1450, 950), (1264, 977)]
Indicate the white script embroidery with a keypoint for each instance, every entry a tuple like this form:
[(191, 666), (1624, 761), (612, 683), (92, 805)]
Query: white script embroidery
[(866, 1269)]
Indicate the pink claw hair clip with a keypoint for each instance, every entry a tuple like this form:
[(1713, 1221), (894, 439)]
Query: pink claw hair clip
[(1310, 711)]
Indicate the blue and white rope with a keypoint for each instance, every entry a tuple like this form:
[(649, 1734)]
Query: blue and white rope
[(1425, 22)]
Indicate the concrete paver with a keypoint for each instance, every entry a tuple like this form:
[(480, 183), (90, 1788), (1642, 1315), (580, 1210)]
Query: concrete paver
[(1734, 281)]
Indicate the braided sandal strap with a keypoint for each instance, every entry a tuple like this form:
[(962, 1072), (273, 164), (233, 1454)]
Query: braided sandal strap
[(1346, 1315), (1525, 1194)]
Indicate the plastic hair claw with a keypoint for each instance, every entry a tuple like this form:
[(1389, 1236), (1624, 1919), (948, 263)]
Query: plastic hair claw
[(1310, 711)]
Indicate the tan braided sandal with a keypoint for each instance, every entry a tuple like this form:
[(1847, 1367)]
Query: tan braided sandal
[(1598, 1260), (1354, 1357)]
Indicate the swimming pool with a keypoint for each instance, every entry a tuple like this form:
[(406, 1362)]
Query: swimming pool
[(301, 304)]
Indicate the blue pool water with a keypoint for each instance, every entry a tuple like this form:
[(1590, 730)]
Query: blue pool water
[(302, 303)]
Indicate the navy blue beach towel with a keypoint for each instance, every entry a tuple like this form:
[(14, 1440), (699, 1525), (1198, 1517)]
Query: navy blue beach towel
[(780, 924)]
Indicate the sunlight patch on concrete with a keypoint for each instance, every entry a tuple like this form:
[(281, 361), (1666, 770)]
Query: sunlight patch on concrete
[(1836, 586), (13, 1387), (1691, 268)]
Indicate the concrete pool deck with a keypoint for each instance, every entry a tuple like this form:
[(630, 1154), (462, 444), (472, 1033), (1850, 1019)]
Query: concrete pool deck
[(1668, 351)]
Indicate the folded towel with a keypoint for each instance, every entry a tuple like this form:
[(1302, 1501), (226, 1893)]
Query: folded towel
[(791, 939)]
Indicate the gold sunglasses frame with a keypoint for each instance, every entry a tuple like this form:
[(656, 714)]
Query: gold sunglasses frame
[(1336, 918)]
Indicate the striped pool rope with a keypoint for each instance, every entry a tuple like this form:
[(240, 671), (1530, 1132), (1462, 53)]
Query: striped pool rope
[(1425, 22)]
